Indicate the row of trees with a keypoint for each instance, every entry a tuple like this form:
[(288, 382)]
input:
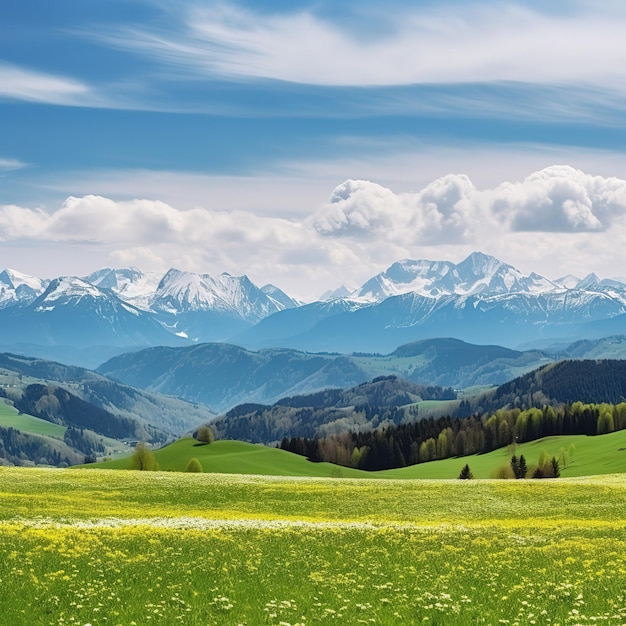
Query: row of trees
[(545, 469), (445, 437)]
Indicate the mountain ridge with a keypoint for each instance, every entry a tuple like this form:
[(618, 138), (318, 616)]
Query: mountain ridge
[(478, 300)]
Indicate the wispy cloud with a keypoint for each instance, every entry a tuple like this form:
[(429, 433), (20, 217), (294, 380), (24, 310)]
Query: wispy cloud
[(18, 83), (8, 165), (468, 42)]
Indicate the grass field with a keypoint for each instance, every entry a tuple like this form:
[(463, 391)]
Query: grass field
[(584, 456), (133, 548), (10, 418)]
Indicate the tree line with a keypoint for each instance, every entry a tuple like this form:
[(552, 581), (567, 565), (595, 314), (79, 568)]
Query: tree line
[(399, 445)]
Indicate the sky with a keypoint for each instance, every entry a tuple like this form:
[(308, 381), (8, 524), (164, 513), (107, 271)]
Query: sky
[(312, 144)]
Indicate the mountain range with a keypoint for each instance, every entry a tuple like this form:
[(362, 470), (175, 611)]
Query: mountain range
[(222, 376), (482, 300)]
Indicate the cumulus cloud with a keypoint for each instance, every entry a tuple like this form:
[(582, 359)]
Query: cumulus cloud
[(559, 199), (546, 218), (436, 43), (451, 209), (440, 212)]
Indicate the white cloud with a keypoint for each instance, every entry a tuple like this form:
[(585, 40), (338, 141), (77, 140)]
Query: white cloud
[(451, 209), (17, 83), (8, 165), (460, 43), (555, 221), (560, 199)]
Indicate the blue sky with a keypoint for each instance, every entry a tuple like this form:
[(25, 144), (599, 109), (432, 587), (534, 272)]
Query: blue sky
[(217, 136)]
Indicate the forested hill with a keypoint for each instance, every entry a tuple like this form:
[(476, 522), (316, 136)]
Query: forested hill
[(588, 381), (383, 391), (166, 413), (57, 405), (386, 399)]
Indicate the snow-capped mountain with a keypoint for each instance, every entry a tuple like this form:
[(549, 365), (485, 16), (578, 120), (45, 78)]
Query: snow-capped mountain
[(202, 307), (477, 274), (179, 292), (18, 288), (130, 284), (339, 292), (568, 282), (480, 300), (73, 312), (179, 305)]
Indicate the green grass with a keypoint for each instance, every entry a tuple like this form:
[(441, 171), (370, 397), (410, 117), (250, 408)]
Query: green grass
[(605, 454), (105, 547), (235, 457), (11, 418), (602, 454)]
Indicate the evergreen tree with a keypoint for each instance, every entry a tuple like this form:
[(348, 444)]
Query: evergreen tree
[(523, 469), (515, 465), (466, 473)]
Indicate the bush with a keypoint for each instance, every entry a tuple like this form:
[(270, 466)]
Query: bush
[(503, 472), (194, 466)]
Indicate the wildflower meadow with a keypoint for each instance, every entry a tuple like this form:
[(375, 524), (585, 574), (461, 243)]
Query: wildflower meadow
[(133, 548)]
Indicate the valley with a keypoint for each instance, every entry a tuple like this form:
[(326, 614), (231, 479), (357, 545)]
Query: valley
[(337, 467)]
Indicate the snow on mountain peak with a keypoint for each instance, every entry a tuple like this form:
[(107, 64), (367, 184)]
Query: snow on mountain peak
[(69, 288), (130, 284), (15, 279), (18, 288), (181, 291), (478, 273), (568, 282)]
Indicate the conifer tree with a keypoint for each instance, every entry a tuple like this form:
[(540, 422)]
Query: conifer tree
[(466, 473), (523, 469)]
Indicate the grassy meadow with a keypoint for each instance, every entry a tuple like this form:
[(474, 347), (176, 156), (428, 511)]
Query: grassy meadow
[(579, 456), (109, 547), (11, 418)]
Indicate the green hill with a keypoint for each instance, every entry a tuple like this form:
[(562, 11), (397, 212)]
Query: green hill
[(10, 417), (236, 457), (386, 399), (585, 456)]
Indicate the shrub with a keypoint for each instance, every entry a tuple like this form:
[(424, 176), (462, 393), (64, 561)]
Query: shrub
[(194, 466)]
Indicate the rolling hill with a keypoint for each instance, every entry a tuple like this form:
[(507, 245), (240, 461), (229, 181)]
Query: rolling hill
[(386, 399), (169, 414), (586, 456), (222, 375)]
